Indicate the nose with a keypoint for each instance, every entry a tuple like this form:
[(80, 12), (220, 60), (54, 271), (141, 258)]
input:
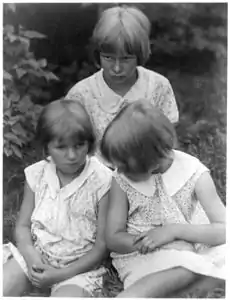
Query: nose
[(71, 153), (117, 66)]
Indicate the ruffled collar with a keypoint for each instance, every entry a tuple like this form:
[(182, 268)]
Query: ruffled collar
[(52, 179)]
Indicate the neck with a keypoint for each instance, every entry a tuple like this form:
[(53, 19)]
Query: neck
[(66, 178)]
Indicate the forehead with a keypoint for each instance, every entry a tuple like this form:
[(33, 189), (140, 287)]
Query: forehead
[(117, 54)]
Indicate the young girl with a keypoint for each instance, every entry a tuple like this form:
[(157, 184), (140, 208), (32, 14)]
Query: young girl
[(121, 49), (60, 229), (166, 223)]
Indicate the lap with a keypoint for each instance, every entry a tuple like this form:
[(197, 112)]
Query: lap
[(159, 284), (84, 284), (70, 290)]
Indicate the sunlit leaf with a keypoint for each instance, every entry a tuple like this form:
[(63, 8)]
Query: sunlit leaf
[(33, 34)]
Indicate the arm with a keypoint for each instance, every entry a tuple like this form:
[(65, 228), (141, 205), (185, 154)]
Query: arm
[(99, 252), (215, 233), (85, 263), (23, 229), (212, 234), (117, 238)]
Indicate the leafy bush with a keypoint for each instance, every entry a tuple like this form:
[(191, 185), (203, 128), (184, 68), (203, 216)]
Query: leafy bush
[(24, 81)]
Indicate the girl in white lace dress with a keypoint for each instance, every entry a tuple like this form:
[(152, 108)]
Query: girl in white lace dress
[(166, 223), (60, 228), (121, 48)]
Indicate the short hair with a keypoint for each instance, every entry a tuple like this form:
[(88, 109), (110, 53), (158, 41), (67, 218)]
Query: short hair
[(138, 137), (124, 30), (65, 120)]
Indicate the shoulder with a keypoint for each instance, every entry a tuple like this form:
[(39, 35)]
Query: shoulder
[(34, 172), (81, 87), (101, 179), (153, 76), (184, 168), (103, 173)]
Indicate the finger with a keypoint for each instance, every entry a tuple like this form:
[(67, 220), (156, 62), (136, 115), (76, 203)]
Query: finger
[(144, 249), (152, 246), (147, 243), (137, 239), (36, 276)]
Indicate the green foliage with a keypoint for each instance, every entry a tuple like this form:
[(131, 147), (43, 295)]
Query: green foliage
[(24, 80)]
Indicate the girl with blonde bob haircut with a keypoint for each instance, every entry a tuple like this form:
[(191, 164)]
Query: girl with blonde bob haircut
[(166, 223), (121, 48), (119, 31)]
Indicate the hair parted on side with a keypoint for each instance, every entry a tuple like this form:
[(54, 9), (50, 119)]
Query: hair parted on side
[(138, 137), (65, 121), (122, 30)]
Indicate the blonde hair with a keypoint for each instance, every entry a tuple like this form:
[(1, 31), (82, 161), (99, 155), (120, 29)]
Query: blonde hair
[(124, 30)]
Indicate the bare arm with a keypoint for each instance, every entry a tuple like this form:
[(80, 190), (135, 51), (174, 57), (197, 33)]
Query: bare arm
[(214, 233), (117, 238), (23, 225), (23, 231), (98, 253)]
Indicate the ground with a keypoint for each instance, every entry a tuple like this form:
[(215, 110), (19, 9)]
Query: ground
[(201, 131)]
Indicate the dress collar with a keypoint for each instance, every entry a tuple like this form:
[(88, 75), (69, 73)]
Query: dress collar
[(52, 179)]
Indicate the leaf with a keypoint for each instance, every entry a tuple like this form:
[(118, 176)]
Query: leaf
[(8, 29), (50, 76), (31, 34), (11, 7), (42, 63), (30, 62), (14, 97), (13, 138), (16, 150), (19, 130), (8, 151), (6, 104), (25, 104), (20, 72), (7, 76)]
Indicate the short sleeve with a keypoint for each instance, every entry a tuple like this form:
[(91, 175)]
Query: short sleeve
[(200, 169), (167, 102), (75, 93), (105, 183), (33, 173)]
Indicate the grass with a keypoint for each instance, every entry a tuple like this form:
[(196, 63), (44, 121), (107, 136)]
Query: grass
[(201, 132)]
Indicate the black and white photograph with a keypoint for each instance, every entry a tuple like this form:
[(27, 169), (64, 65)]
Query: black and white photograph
[(114, 149)]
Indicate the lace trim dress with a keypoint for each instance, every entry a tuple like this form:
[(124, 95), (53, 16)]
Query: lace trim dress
[(163, 199), (64, 221)]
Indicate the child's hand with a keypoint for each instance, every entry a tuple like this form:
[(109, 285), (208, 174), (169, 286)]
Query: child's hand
[(150, 240), (34, 262), (47, 277)]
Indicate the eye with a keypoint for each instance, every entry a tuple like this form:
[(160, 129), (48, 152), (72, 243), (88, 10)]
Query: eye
[(79, 145), (107, 57), (61, 147)]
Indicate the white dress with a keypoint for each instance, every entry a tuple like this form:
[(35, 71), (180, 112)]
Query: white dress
[(93, 91), (64, 221), (164, 199)]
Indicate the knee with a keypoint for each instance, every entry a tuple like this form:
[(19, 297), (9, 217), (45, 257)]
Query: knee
[(70, 291)]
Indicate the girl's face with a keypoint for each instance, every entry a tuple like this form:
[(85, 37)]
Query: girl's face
[(68, 157), (118, 69)]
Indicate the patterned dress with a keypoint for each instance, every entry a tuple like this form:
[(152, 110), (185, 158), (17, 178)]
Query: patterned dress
[(64, 221), (164, 199), (94, 93)]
